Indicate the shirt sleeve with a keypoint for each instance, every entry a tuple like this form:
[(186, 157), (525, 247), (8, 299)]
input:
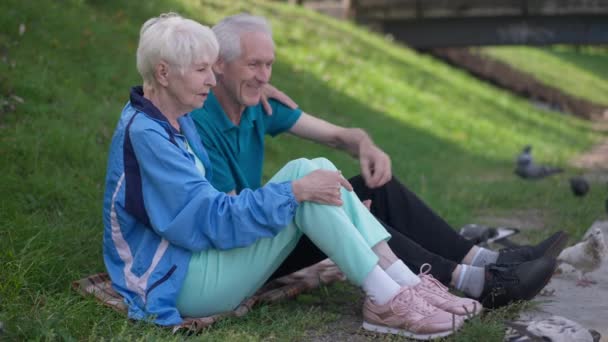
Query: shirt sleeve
[(185, 209), (282, 118)]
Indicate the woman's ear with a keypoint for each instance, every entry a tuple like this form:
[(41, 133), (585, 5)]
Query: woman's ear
[(161, 73)]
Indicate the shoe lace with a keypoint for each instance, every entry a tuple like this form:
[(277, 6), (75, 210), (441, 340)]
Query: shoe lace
[(518, 249), (501, 275), (431, 283), (408, 300)]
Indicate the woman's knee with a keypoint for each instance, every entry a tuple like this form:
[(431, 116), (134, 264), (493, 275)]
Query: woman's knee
[(323, 163), (303, 166)]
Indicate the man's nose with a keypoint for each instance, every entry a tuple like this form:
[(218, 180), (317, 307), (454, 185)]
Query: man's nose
[(263, 74), (211, 81)]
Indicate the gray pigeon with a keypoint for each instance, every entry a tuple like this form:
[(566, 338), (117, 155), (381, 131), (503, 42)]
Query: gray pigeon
[(527, 169), (484, 235), (477, 233), (586, 256), (579, 186), (553, 329)]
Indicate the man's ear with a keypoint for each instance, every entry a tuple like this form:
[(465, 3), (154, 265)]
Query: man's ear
[(161, 73), (218, 66)]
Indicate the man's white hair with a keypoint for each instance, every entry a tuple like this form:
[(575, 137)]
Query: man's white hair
[(230, 29), (176, 40)]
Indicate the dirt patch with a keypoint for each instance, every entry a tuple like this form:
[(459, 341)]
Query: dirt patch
[(523, 84), (594, 162), (345, 301), (526, 219)]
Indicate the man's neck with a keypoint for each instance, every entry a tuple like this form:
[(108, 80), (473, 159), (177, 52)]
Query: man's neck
[(232, 108)]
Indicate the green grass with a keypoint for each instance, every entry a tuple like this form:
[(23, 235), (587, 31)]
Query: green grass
[(579, 71), (452, 139)]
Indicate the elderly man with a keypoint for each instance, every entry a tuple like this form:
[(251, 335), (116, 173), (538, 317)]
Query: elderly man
[(232, 125)]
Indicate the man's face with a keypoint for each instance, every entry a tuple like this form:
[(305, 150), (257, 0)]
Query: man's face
[(244, 76)]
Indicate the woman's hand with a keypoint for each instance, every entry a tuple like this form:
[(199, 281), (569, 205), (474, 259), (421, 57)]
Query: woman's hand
[(321, 186)]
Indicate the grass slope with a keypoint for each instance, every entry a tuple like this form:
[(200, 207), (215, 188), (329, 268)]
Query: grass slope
[(452, 139), (579, 71)]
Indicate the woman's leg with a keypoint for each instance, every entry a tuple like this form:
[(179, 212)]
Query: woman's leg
[(218, 281)]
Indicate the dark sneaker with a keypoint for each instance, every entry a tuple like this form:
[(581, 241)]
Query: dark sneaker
[(550, 247), (508, 283)]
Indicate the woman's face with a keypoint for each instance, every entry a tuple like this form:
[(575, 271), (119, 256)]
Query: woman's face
[(190, 88)]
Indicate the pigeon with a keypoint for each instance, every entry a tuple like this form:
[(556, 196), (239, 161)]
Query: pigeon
[(579, 186), (483, 235), (586, 256), (527, 169), (553, 329), (477, 233)]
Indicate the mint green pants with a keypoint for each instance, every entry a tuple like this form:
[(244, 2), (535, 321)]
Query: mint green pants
[(219, 280)]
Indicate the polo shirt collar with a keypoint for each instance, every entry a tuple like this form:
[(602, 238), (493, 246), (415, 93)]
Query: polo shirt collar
[(214, 108)]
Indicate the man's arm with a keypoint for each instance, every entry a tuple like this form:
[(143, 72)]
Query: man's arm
[(375, 164)]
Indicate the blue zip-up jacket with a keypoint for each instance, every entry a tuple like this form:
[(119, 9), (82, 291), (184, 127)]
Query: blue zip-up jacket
[(158, 208)]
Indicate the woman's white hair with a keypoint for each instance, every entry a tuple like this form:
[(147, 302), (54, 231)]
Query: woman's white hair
[(230, 29), (176, 40)]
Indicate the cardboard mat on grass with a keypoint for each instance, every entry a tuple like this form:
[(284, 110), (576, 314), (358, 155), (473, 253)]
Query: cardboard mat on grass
[(289, 286)]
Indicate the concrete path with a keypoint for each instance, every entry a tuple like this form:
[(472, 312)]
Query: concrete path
[(587, 306)]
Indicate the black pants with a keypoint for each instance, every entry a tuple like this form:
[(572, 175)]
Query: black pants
[(418, 234)]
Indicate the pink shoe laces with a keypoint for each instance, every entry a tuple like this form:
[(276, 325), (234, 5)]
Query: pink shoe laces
[(432, 284), (436, 287), (407, 300)]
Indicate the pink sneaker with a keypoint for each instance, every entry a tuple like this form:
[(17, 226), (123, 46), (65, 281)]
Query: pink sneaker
[(434, 292), (408, 314)]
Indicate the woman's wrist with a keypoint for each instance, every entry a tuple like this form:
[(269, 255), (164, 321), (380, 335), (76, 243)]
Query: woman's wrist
[(296, 188)]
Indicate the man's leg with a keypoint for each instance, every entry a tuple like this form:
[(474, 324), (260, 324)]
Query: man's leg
[(414, 256), (401, 209)]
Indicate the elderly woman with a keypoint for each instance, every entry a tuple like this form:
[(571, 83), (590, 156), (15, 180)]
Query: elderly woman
[(174, 246)]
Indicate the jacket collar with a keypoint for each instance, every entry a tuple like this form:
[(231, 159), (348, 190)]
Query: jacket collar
[(142, 104)]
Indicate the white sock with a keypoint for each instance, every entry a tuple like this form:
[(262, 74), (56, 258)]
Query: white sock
[(402, 274), (379, 286), (471, 280), (484, 257)]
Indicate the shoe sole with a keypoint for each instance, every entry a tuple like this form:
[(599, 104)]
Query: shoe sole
[(405, 333), (558, 245)]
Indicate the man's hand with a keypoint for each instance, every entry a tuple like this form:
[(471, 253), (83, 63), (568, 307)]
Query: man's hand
[(375, 165), (321, 186), (367, 203), (269, 91)]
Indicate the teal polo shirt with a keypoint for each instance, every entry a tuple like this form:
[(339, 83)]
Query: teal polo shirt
[(237, 152)]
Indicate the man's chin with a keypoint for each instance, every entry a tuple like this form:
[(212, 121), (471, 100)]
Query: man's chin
[(252, 100)]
